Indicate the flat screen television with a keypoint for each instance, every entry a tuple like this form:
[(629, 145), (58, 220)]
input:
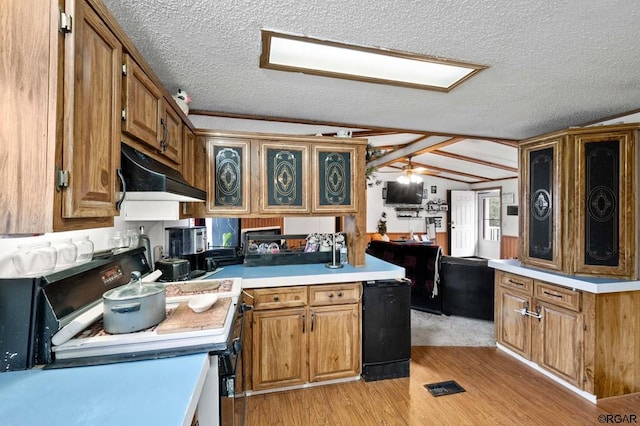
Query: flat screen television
[(397, 193)]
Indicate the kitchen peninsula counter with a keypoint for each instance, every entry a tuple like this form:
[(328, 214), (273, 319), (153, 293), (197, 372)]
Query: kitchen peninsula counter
[(153, 392), (308, 274), (588, 284)]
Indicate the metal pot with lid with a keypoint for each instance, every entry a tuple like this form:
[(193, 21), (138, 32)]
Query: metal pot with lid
[(134, 306)]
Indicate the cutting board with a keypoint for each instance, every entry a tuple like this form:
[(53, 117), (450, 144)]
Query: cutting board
[(184, 319)]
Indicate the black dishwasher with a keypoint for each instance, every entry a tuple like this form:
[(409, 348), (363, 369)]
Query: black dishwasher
[(386, 329)]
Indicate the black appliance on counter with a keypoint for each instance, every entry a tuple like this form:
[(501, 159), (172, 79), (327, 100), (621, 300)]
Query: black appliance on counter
[(386, 329)]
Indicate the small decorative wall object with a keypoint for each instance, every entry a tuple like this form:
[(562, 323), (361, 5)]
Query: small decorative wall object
[(434, 189), (183, 100), (508, 198)]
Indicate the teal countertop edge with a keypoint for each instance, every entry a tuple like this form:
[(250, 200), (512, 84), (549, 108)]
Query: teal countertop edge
[(306, 274), (588, 284), (153, 392)]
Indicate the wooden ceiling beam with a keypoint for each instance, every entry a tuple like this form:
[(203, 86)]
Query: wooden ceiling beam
[(443, 170), (339, 124), (476, 160)]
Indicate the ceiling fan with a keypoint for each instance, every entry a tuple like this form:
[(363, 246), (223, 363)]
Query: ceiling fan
[(410, 174)]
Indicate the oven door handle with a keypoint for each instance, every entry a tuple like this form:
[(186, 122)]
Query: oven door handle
[(236, 346), (123, 309)]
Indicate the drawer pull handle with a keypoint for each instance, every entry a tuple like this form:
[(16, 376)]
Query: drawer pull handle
[(559, 296), (330, 295), (516, 282), (312, 321), (304, 322), (340, 294), (276, 298)]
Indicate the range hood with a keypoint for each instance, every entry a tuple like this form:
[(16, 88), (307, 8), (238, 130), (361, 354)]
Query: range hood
[(147, 179)]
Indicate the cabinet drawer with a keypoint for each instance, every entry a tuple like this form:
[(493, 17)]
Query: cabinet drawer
[(281, 297), (337, 294), (517, 282), (559, 296)]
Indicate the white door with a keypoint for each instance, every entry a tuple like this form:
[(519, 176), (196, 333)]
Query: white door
[(489, 230), (463, 223)]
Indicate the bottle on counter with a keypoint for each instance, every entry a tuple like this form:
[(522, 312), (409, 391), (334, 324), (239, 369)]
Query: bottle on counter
[(143, 241)]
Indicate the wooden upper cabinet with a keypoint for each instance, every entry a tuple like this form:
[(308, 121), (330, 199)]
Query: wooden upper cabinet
[(91, 138), (189, 147), (170, 136), (284, 177), (333, 178), (142, 104), (578, 191), (541, 186), (187, 169), (228, 176), (605, 203)]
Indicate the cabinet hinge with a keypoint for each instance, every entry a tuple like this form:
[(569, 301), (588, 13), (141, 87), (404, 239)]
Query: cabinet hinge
[(124, 69), (123, 114), (66, 22), (62, 178)]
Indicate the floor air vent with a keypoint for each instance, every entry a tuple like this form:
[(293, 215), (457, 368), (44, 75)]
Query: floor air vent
[(444, 388)]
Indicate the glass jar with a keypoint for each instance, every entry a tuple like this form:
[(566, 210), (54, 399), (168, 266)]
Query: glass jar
[(34, 259), (118, 240), (134, 238), (85, 249), (67, 252)]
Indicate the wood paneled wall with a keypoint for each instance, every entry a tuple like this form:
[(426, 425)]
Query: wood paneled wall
[(509, 247), (258, 222)]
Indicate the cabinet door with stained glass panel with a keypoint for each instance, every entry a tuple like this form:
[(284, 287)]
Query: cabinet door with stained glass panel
[(284, 177), (333, 178), (228, 180)]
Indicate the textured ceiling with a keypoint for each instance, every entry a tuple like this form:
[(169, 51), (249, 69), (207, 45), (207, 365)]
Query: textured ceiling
[(551, 64)]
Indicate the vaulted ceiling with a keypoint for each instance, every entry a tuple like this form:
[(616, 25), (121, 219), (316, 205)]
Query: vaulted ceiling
[(552, 65)]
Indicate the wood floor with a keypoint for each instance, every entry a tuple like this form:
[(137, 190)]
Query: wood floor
[(498, 391)]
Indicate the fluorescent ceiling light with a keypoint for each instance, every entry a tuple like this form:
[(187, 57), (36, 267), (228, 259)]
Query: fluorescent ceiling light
[(307, 55)]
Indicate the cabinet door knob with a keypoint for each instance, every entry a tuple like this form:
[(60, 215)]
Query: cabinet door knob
[(276, 298)]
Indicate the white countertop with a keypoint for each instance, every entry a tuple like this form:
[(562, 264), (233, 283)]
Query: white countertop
[(589, 284), (308, 274)]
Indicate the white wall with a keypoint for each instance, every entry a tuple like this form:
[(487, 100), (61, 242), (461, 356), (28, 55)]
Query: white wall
[(308, 225), (99, 236), (509, 223), (375, 205)]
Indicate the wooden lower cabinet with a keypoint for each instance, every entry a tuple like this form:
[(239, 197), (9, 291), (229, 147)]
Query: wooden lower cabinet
[(513, 328), (302, 334), (334, 342), (280, 347), (591, 341), (539, 330), (559, 337)]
